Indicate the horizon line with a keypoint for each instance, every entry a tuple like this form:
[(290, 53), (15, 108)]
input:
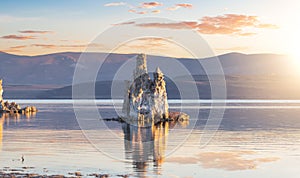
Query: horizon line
[(216, 55)]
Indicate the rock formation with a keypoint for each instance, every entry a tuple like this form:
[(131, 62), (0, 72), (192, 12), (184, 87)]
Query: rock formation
[(146, 98), (6, 107)]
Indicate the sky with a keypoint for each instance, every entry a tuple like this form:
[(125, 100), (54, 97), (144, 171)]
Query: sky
[(35, 27)]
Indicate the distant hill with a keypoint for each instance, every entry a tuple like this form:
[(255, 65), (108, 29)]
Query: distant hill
[(58, 68), (265, 76), (238, 87)]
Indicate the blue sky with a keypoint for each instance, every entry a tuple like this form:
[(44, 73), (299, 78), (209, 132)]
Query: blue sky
[(72, 24)]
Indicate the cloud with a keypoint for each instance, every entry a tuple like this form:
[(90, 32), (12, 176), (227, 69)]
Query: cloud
[(137, 12), (44, 45), (18, 47), (177, 6), (228, 24), (247, 34), (151, 45), (115, 4), (148, 43), (141, 12), (184, 5), (68, 45), (124, 23), (15, 49), (173, 8), (267, 26), (132, 10), (149, 5), (18, 37), (179, 25), (36, 32), (155, 11)]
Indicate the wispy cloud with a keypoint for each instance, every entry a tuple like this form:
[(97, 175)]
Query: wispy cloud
[(155, 11), (137, 12), (18, 37), (185, 5), (44, 45), (125, 23), (133, 8), (36, 31), (14, 49), (115, 4), (149, 5), (228, 24), (18, 47), (52, 46), (58, 46), (141, 12), (179, 25), (267, 26), (177, 6), (173, 8)]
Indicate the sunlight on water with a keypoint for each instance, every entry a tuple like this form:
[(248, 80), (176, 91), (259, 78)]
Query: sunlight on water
[(255, 139)]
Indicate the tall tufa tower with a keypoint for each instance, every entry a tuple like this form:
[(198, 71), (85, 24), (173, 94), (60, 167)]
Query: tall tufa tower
[(141, 66), (146, 98)]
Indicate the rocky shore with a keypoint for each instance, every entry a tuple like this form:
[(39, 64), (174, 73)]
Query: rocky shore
[(13, 107), (16, 173)]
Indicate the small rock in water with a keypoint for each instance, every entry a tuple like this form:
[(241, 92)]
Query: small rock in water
[(78, 173)]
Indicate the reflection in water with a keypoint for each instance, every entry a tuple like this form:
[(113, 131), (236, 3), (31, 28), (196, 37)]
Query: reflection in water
[(1, 131), (6, 118), (144, 144)]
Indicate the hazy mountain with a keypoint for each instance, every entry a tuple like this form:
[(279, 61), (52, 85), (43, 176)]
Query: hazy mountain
[(247, 76), (58, 68)]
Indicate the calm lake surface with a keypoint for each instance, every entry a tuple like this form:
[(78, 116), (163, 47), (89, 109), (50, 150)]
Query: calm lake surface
[(255, 138)]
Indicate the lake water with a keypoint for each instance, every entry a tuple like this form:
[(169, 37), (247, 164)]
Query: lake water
[(255, 138)]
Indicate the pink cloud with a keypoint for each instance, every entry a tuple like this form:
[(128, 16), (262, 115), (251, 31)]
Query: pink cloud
[(149, 5), (18, 37), (115, 4), (267, 26), (125, 23), (36, 32), (155, 11), (173, 8), (179, 25), (182, 5), (44, 45), (228, 24)]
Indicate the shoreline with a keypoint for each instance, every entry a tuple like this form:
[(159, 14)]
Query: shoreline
[(26, 172)]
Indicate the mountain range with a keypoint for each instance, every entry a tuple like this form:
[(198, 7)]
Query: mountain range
[(247, 76)]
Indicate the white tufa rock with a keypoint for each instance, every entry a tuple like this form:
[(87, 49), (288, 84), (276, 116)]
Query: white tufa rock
[(146, 98)]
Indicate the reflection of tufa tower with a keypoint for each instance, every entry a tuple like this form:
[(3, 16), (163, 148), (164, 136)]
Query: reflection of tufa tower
[(145, 98), (145, 144)]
